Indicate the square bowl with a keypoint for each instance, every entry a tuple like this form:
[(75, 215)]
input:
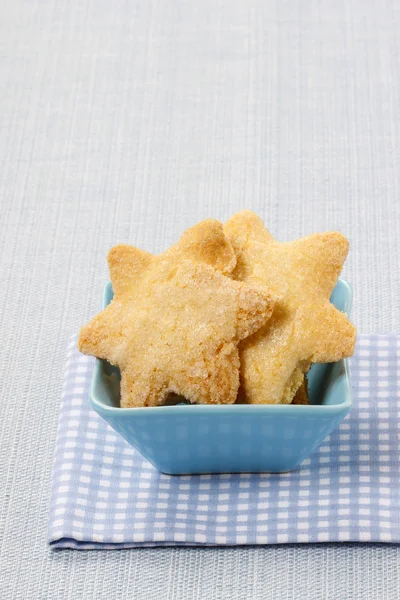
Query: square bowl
[(235, 438)]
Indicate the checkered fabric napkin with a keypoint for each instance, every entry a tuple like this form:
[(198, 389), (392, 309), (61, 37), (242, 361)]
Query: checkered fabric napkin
[(105, 495)]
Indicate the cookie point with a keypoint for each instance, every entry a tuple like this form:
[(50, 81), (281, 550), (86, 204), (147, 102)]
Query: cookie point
[(206, 243)]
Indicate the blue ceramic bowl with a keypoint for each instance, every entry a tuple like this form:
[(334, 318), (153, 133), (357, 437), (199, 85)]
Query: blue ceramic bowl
[(236, 438)]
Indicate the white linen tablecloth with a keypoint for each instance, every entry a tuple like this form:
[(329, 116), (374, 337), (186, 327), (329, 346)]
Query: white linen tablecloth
[(130, 121)]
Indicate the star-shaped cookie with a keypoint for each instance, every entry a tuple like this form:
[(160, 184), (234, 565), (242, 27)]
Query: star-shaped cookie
[(176, 320), (305, 327)]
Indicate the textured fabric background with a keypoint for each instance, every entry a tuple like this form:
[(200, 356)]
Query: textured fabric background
[(129, 121)]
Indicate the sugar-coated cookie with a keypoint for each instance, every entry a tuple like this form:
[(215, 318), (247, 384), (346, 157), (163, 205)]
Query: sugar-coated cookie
[(301, 396), (305, 327), (176, 320)]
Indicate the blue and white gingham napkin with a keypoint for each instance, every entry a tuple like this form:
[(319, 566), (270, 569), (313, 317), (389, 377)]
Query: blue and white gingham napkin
[(105, 495)]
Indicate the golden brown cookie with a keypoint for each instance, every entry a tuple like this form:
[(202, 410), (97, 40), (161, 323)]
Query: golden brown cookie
[(301, 396), (176, 320), (305, 327)]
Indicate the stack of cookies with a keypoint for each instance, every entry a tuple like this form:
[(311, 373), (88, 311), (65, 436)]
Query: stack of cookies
[(227, 314)]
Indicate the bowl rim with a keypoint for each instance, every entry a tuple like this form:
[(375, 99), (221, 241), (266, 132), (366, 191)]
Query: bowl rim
[(218, 409)]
